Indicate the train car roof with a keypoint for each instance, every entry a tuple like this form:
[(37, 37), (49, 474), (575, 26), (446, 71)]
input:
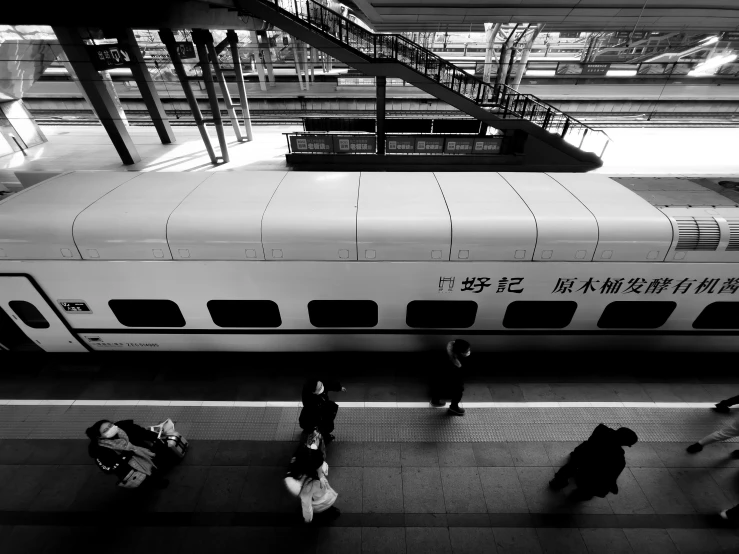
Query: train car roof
[(222, 218), (36, 223)]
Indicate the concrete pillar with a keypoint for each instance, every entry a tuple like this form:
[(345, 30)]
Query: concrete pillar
[(313, 58), (380, 86), (267, 56), (222, 83), (97, 93), (293, 44), (260, 68), (505, 59), (167, 38), (145, 84), (199, 38), (233, 41), (491, 31), (114, 96)]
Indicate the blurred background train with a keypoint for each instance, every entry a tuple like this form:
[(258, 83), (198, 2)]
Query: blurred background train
[(350, 261)]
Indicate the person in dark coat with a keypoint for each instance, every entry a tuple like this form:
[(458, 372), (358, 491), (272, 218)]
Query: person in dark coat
[(596, 463), (448, 382), (122, 447), (731, 514), (319, 412)]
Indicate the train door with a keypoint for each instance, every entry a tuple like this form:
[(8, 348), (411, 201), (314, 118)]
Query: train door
[(29, 312)]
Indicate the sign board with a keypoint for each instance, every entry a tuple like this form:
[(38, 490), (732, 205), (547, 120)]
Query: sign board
[(400, 143), (487, 146), (312, 143), (186, 50), (109, 56), (595, 68), (430, 144), (356, 144), (730, 35), (459, 145), (653, 69), (568, 68), (75, 306), (568, 34)]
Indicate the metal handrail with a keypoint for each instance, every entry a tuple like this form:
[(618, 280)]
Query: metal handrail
[(378, 48)]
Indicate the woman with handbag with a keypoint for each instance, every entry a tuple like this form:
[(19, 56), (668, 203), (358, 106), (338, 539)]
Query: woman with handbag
[(319, 412), (307, 479), (127, 450)]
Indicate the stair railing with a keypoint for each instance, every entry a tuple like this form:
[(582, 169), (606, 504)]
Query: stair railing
[(502, 100)]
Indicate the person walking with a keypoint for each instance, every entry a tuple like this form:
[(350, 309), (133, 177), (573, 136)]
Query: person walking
[(596, 463), (309, 456), (731, 430), (723, 406), (448, 382), (319, 412)]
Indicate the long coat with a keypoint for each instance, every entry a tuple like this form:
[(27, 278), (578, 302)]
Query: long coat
[(598, 462), (318, 410)]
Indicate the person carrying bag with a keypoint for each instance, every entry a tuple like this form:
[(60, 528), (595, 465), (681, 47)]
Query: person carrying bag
[(319, 412)]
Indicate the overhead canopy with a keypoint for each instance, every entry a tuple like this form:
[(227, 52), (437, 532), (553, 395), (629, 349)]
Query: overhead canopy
[(222, 218)]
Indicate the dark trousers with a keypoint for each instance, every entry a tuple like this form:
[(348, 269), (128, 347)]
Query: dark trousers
[(729, 402), (565, 472), (453, 391), (733, 514)]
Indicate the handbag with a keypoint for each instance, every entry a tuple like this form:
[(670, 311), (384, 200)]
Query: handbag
[(133, 480), (177, 444)]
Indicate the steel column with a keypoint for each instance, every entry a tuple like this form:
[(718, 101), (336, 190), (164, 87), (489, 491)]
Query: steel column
[(380, 85), (74, 47), (224, 87), (233, 41), (146, 86), (200, 42), (258, 58), (264, 39), (167, 38)]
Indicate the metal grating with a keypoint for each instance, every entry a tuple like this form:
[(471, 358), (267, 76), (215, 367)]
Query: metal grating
[(733, 235), (697, 233)]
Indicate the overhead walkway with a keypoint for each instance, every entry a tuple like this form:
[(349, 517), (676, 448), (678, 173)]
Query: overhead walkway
[(548, 138)]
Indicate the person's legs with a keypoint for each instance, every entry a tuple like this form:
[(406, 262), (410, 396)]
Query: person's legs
[(562, 477), (718, 436), (454, 407)]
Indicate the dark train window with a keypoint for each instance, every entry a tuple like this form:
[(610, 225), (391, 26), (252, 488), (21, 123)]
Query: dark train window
[(29, 314), (244, 313), (441, 314), (635, 315), (342, 313), (719, 315), (147, 313), (534, 314)]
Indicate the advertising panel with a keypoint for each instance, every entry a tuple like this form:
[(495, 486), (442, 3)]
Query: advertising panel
[(312, 143), (459, 145), (430, 144), (355, 144), (486, 145), (400, 143)]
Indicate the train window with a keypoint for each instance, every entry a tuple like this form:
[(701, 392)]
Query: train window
[(147, 313), (441, 314), (342, 313), (244, 313), (719, 315), (29, 314), (635, 315), (535, 314)]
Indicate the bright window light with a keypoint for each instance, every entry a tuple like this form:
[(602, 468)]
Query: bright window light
[(621, 73), (709, 40), (541, 72), (707, 67)]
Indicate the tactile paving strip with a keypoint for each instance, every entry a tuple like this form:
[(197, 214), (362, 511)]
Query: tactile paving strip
[(372, 424)]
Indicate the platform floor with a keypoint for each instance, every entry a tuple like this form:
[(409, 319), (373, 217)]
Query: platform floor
[(702, 152), (410, 478)]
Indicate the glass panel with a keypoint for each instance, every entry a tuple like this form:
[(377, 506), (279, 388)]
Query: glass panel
[(441, 314), (719, 315), (636, 315), (342, 313), (244, 313), (29, 314), (536, 314), (147, 313)]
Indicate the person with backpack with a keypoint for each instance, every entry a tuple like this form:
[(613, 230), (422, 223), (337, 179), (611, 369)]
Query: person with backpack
[(319, 412), (127, 451)]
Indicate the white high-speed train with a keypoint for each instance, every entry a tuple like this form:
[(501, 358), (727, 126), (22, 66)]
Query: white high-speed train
[(302, 261)]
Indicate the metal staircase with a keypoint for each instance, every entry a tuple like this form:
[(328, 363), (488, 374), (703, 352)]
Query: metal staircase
[(550, 137)]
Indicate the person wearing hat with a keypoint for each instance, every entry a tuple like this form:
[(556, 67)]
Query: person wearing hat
[(319, 412), (596, 463)]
